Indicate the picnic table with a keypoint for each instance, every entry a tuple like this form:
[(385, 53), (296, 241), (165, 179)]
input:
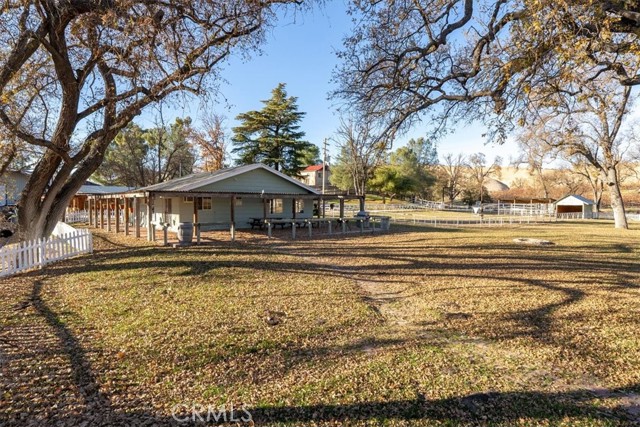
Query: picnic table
[(256, 222)]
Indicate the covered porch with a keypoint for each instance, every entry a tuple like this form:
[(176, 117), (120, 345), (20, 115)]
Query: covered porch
[(159, 215)]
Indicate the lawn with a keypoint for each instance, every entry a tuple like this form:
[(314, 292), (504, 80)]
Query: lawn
[(420, 327)]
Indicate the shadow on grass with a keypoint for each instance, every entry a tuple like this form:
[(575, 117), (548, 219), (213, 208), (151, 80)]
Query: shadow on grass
[(95, 406)]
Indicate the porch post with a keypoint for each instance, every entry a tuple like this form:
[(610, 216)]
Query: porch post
[(101, 203), (90, 212), (195, 210), (232, 214), (126, 216), (108, 213), (136, 217), (117, 212), (293, 208), (150, 232), (264, 209), (322, 209)]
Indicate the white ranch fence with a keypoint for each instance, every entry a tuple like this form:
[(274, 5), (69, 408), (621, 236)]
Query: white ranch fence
[(75, 217), (486, 221), (609, 215), (32, 254)]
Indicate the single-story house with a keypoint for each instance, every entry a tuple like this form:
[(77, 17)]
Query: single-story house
[(312, 175), (237, 197), (575, 204), (11, 185), (236, 194)]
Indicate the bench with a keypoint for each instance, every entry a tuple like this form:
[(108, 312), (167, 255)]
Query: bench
[(256, 222)]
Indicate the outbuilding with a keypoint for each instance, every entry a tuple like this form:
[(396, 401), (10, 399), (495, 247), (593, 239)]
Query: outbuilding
[(576, 206)]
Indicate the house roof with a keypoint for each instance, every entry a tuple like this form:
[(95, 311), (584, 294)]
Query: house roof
[(196, 181), (314, 168), (574, 200), (101, 189)]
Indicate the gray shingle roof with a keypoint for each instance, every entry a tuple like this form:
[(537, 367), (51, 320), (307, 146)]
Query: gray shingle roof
[(102, 189), (198, 180)]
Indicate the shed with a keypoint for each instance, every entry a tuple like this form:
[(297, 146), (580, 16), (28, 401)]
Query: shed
[(575, 204)]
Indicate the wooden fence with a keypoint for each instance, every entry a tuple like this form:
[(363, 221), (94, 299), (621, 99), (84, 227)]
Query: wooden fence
[(32, 254)]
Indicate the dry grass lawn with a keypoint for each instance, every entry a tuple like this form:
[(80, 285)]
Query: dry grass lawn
[(417, 327)]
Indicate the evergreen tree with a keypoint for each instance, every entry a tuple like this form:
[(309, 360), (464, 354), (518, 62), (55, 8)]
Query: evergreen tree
[(272, 135)]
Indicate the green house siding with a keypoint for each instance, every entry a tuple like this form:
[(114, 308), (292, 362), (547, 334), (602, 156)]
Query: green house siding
[(254, 182), (219, 216)]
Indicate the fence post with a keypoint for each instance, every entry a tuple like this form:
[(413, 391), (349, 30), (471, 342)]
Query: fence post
[(43, 251)]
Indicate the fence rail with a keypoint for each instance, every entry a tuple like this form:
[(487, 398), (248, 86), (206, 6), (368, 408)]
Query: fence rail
[(75, 217), (31, 254), (609, 215), (486, 221)]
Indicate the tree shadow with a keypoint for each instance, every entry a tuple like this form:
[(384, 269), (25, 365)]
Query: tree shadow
[(91, 405)]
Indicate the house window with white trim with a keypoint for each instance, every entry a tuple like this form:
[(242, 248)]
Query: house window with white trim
[(204, 203)]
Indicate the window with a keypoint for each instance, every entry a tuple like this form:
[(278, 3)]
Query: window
[(167, 206), (238, 201), (187, 199), (203, 203), (276, 206), (300, 206)]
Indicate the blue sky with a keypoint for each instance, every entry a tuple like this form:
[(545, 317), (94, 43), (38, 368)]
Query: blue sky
[(300, 52)]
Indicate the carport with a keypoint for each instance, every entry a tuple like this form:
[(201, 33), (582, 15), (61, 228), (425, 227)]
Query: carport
[(574, 206)]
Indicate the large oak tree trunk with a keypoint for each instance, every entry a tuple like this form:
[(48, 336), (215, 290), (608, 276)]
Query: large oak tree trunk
[(617, 203)]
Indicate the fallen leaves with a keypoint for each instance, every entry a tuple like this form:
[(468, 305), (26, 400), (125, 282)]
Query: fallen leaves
[(467, 326)]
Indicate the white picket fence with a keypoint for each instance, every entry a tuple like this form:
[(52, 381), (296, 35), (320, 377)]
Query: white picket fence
[(32, 254), (75, 217)]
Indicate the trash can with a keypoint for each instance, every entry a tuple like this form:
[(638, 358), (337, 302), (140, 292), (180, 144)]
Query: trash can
[(364, 217), (185, 232), (385, 223)]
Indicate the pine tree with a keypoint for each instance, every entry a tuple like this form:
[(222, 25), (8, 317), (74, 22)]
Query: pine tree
[(272, 135)]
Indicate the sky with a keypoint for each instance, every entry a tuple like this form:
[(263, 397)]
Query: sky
[(300, 52)]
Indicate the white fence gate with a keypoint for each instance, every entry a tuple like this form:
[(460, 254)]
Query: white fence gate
[(32, 254)]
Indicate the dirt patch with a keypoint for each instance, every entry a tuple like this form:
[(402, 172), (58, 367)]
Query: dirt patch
[(534, 242)]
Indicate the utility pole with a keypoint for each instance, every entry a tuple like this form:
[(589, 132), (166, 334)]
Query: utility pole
[(324, 165), (324, 174)]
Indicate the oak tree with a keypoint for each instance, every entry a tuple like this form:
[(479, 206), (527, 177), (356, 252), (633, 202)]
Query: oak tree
[(74, 73), (479, 60)]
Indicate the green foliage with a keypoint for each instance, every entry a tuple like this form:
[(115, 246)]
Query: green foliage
[(426, 152), (272, 135), (341, 174), (470, 195), (391, 181), (310, 155), (125, 160), (140, 157), (407, 172)]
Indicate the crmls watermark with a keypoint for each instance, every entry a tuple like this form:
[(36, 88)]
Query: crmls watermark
[(209, 414)]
